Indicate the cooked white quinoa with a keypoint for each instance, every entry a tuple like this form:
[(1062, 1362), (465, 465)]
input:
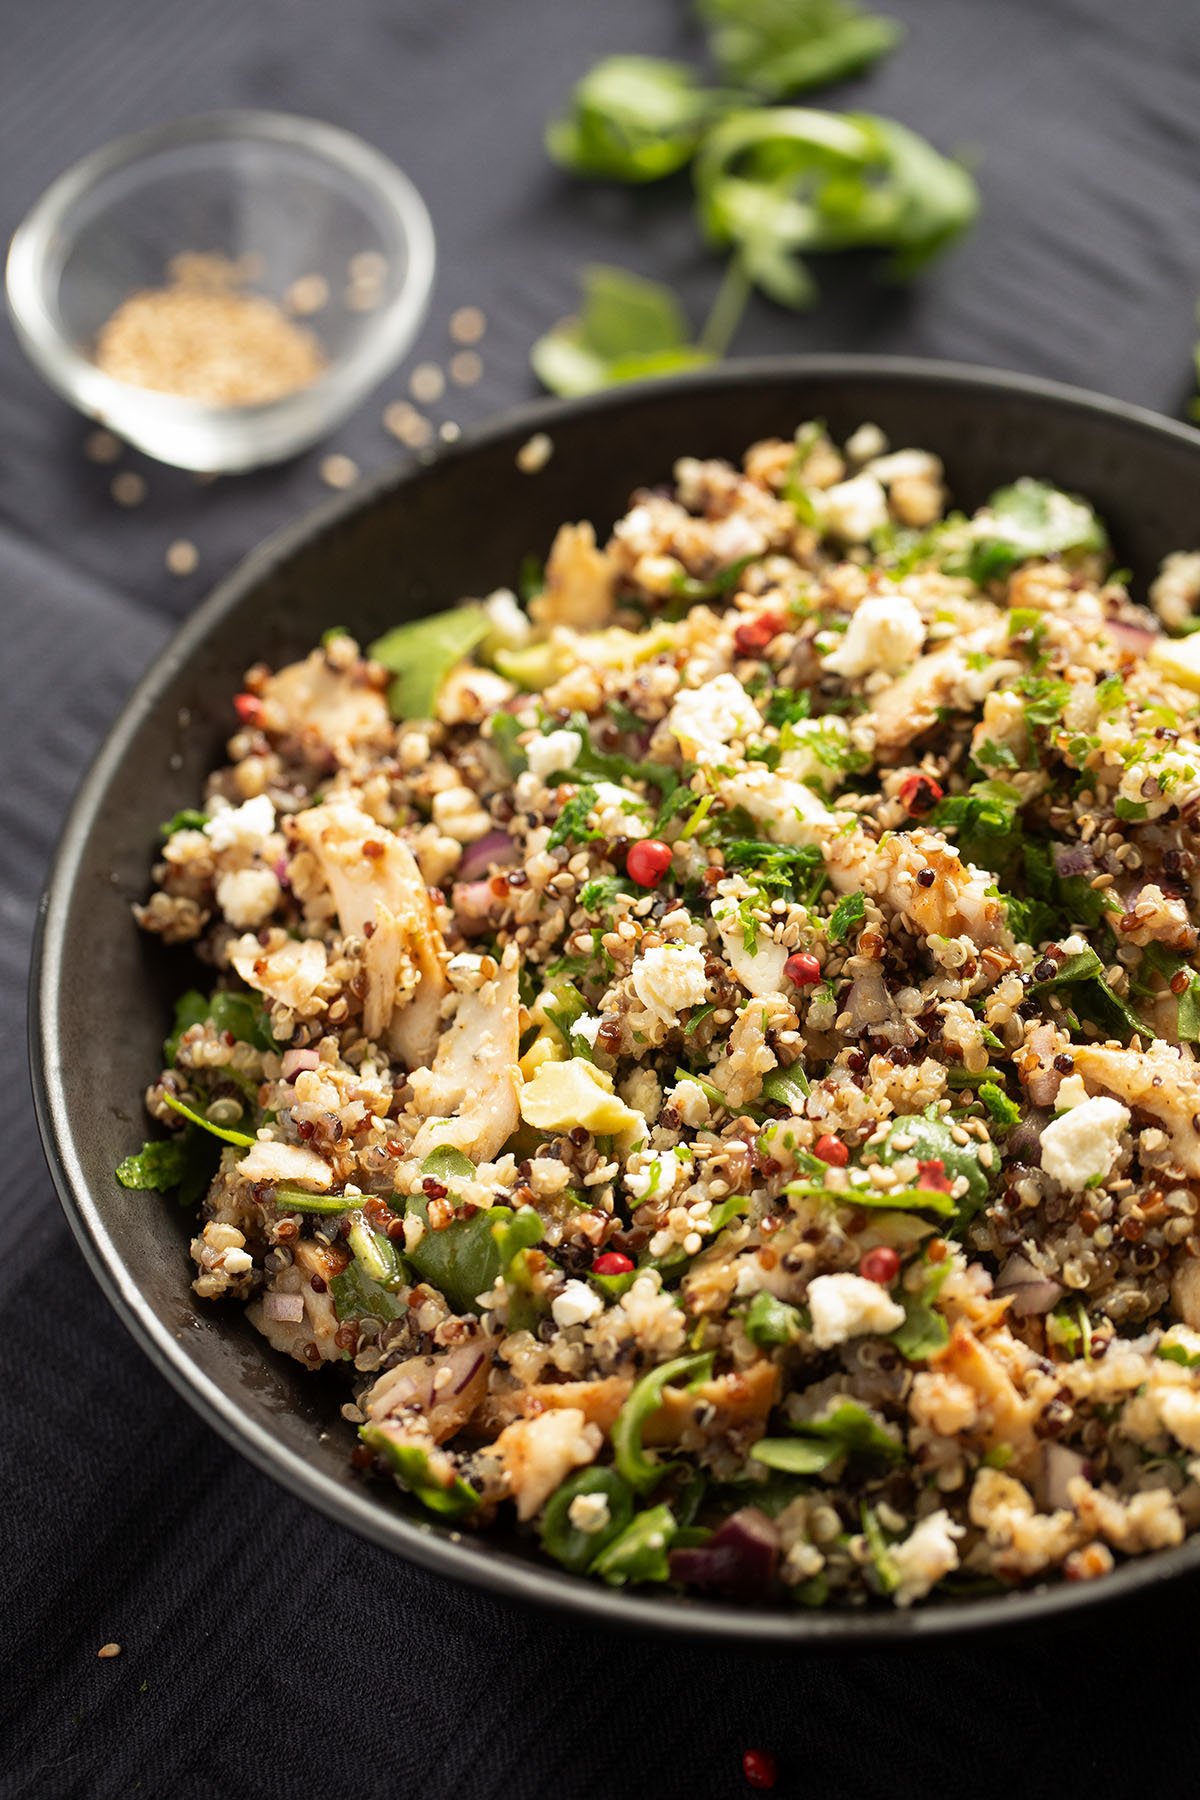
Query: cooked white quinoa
[(724, 1087)]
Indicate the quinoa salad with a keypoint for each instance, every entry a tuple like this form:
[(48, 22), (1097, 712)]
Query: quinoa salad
[(707, 1049)]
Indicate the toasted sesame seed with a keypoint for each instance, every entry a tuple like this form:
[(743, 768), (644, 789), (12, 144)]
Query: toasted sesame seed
[(427, 383), (128, 488), (108, 1650), (467, 325), (406, 424), (338, 471), (535, 454), (367, 266), (101, 447), (307, 294), (182, 557), (466, 367)]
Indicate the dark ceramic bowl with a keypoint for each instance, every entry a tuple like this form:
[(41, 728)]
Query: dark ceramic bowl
[(398, 545)]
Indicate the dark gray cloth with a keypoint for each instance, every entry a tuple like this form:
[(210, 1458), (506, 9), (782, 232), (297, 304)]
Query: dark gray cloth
[(266, 1653)]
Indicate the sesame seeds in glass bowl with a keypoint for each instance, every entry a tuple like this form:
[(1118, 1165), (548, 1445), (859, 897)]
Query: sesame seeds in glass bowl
[(222, 291)]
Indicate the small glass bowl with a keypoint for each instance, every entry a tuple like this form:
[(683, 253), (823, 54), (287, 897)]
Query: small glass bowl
[(290, 196)]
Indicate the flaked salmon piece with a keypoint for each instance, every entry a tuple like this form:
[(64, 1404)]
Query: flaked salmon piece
[(468, 1097), (1160, 1081)]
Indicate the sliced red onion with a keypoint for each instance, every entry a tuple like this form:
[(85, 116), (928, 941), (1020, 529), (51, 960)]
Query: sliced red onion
[(739, 1560), (1031, 1292), (474, 903), (1060, 1466), (285, 1309), (470, 1374), (1137, 638), (280, 870), (1073, 859), (294, 1061), (493, 849)]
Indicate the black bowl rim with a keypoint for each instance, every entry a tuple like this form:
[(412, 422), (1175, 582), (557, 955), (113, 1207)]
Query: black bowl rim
[(444, 1552)]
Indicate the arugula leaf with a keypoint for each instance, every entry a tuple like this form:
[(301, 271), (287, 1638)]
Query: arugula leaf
[(1187, 1024), (446, 1161), (1178, 1353), (848, 1430), (770, 1321), (634, 119), (924, 1331), (463, 1259), (640, 1553), (628, 329), (787, 1087), (603, 765), (930, 1140), (848, 913), (191, 1009), (355, 1296), (881, 1555), (503, 732), (574, 1549), (1092, 997), (641, 1471), (422, 653), (1030, 519), (780, 183), (780, 47), (411, 1462)]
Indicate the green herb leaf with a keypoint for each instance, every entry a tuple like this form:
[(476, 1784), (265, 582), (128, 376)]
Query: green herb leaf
[(640, 1553), (781, 47), (574, 1549), (571, 825), (503, 732), (633, 119), (187, 820), (453, 1500), (1004, 1112), (218, 1131), (930, 1140), (160, 1164), (448, 1162), (849, 912), (795, 1456), (780, 183), (422, 653), (463, 1260), (787, 1087), (1031, 519), (356, 1296), (1187, 1024), (641, 1471), (628, 329), (769, 1321)]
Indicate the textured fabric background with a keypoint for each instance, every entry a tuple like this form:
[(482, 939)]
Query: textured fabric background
[(266, 1653)]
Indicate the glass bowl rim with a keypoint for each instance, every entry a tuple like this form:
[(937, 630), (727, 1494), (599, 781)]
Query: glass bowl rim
[(387, 333)]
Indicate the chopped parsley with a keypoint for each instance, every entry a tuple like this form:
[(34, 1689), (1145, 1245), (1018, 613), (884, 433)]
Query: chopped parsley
[(849, 912)]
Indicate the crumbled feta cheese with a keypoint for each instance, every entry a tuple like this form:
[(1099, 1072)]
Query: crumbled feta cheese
[(906, 465), (884, 633), (241, 827), (1079, 1146), (669, 978), (691, 1103), (854, 509), (247, 897), (587, 1027), (655, 1176), (589, 1513), (1152, 787), (927, 1553), (866, 443), (818, 752), (760, 970), (458, 814), (792, 813), (507, 624), (849, 1306), (707, 719), (1178, 1407), (576, 1304), (1071, 1092), (617, 806), (557, 750)]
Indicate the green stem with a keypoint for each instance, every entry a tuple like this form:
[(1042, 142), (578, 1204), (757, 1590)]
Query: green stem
[(727, 309)]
